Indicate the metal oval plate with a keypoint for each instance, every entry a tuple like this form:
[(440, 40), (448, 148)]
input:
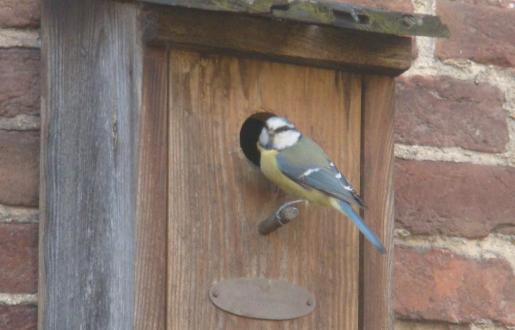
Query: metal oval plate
[(262, 298)]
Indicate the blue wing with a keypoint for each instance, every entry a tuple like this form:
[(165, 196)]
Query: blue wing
[(307, 164)]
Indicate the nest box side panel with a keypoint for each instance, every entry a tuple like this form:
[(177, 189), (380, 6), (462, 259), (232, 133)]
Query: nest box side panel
[(377, 189), (152, 197), (216, 198)]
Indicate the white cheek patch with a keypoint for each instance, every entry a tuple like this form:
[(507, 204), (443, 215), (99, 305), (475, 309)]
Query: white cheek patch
[(263, 137), (338, 175), (285, 139)]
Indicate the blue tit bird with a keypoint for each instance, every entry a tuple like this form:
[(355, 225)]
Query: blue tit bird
[(299, 166)]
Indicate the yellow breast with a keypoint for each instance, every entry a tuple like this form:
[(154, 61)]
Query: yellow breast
[(271, 170)]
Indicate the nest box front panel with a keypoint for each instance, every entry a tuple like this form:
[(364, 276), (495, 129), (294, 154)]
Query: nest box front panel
[(217, 198)]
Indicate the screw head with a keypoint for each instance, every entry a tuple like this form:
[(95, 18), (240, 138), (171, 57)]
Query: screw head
[(215, 293), (290, 212), (309, 302), (409, 21)]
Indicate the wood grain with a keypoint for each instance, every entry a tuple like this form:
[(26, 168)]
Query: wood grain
[(217, 198), (151, 256), (90, 101), (377, 186), (279, 40)]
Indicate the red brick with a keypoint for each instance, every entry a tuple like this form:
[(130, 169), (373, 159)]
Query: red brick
[(23, 317), (446, 112), (439, 285), (482, 33), (19, 167), (19, 13), (18, 257), (454, 198), (19, 81), (396, 5)]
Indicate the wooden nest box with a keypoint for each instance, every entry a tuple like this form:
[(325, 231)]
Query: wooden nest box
[(148, 201)]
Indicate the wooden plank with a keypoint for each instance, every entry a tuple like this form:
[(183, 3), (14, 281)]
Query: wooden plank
[(90, 103), (377, 187), (334, 14), (217, 198), (279, 40), (152, 218)]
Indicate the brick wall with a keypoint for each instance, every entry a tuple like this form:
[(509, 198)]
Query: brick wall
[(19, 162), (455, 171)]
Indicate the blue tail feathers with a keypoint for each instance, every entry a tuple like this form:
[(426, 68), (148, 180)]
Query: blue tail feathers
[(363, 228)]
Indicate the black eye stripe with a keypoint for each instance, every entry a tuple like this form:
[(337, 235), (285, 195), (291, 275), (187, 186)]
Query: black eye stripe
[(282, 129)]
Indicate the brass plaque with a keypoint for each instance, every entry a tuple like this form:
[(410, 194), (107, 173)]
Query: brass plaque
[(262, 298)]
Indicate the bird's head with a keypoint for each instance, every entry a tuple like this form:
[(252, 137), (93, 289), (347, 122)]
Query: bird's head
[(278, 133)]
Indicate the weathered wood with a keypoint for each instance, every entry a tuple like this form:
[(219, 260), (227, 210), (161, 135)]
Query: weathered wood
[(377, 187), (90, 104), (152, 217), (217, 198), (278, 40), (335, 14)]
